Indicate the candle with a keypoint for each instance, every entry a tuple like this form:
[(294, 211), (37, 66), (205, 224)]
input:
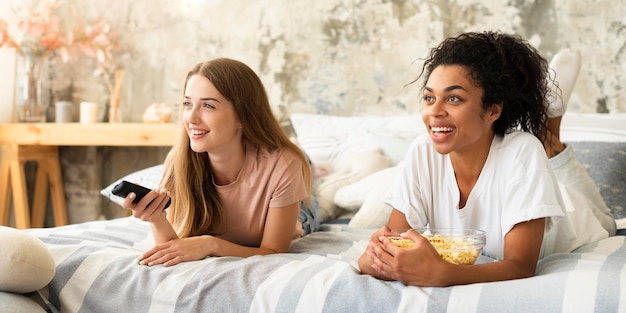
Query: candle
[(63, 112), (88, 112)]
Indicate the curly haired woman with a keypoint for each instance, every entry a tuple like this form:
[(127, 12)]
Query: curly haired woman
[(492, 160)]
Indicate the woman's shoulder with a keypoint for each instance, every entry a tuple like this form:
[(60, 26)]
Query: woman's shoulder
[(519, 145), (263, 163), (275, 155), (519, 138)]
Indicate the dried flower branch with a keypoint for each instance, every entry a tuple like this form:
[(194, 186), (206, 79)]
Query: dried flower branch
[(100, 43), (97, 41)]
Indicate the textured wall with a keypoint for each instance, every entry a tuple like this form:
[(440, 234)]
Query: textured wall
[(324, 56), (339, 57), (346, 57)]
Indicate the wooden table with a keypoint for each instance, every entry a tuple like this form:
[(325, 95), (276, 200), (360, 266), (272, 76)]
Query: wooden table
[(39, 142)]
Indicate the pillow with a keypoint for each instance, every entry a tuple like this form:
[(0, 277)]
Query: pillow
[(606, 165), (392, 145), (373, 213), (361, 164), (330, 150), (306, 125), (326, 138), (149, 177), (352, 196), (26, 263), (15, 303)]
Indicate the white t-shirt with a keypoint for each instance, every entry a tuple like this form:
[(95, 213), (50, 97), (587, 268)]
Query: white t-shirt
[(515, 185)]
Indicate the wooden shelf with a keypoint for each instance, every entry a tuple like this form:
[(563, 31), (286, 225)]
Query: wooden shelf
[(98, 134), (39, 142)]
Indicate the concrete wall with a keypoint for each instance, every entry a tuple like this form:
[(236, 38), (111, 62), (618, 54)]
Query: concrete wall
[(324, 56)]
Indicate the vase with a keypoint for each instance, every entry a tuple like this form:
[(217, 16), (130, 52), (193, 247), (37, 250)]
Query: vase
[(30, 107), (114, 115)]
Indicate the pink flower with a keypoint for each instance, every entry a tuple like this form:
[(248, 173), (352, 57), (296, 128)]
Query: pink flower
[(97, 41), (4, 35), (33, 30)]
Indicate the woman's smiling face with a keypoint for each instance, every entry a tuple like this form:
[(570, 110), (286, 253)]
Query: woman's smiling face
[(453, 111), (210, 120)]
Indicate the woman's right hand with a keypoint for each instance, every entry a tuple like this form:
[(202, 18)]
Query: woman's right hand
[(396, 221), (151, 208), (366, 261)]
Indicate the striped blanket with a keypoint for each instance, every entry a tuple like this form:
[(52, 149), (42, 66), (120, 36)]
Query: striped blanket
[(97, 271)]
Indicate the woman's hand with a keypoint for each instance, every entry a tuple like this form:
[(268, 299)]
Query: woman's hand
[(420, 265), (366, 261), (396, 221), (178, 250), (150, 208)]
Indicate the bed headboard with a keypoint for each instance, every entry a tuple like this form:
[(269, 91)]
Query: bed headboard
[(593, 127)]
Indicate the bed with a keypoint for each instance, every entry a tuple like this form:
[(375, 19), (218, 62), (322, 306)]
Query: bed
[(96, 268)]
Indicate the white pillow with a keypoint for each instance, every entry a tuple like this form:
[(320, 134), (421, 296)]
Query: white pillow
[(148, 177), (17, 303), (26, 264), (326, 138), (351, 197), (331, 150), (392, 144), (305, 124), (361, 164), (373, 213)]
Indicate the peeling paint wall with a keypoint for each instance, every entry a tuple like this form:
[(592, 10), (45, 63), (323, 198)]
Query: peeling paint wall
[(337, 57), (326, 56)]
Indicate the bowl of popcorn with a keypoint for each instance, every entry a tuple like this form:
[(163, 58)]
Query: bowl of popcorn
[(458, 246)]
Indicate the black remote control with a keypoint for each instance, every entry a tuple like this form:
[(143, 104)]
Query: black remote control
[(125, 187)]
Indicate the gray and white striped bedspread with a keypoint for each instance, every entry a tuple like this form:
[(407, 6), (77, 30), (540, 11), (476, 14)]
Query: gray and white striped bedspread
[(97, 271)]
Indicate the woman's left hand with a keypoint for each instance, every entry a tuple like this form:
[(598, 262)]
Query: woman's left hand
[(420, 265), (178, 250)]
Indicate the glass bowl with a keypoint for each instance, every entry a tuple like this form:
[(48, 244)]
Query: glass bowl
[(455, 245)]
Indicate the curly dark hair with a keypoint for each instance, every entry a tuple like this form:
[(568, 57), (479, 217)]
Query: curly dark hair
[(509, 70)]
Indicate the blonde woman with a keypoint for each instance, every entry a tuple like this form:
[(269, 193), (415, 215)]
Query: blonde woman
[(238, 185)]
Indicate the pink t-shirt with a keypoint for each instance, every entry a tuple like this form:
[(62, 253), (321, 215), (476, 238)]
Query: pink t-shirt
[(267, 180)]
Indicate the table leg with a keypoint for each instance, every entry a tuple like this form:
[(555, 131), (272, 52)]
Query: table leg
[(13, 178), (48, 176), (57, 192), (5, 201), (41, 195), (20, 196)]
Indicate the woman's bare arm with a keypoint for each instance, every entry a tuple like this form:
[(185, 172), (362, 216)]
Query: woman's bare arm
[(422, 266), (278, 233)]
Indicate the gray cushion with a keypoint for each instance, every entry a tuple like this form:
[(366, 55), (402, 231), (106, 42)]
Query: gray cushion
[(606, 164)]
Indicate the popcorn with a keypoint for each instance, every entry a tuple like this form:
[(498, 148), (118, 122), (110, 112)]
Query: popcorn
[(402, 242), (453, 249)]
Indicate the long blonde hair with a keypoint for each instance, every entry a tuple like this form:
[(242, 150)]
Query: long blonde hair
[(196, 206)]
